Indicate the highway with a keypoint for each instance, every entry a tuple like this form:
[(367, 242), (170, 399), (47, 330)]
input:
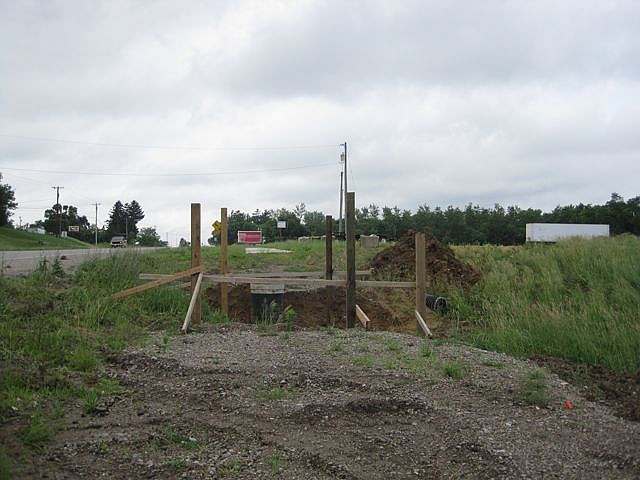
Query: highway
[(22, 262)]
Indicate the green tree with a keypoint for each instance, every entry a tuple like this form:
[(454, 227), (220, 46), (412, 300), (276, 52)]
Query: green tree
[(7, 203), (134, 214), (116, 224), (61, 217), (314, 222), (148, 237)]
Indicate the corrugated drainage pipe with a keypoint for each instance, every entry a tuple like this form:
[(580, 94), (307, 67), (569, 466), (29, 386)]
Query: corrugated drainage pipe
[(435, 303)]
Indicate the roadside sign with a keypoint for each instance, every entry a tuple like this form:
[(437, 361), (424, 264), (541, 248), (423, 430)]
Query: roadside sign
[(217, 226), (282, 224), (74, 228), (250, 236)]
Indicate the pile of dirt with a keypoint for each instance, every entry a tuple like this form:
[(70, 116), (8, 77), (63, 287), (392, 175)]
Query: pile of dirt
[(398, 262), (320, 307)]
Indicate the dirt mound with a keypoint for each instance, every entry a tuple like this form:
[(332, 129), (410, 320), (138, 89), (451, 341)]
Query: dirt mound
[(320, 307), (442, 265)]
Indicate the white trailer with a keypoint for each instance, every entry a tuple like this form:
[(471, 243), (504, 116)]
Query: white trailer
[(552, 232)]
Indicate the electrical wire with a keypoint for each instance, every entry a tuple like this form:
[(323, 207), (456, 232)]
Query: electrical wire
[(164, 147), (174, 174)]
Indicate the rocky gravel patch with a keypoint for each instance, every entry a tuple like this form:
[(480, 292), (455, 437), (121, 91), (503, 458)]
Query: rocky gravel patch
[(236, 402)]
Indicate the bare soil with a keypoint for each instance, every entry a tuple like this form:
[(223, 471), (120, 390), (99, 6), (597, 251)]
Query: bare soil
[(621, 391), (320, 307), (232, 403)]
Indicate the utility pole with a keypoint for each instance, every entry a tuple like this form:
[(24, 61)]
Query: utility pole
[(96, 229), (126, 228), (340, 230), (59, 208), (344, 174)]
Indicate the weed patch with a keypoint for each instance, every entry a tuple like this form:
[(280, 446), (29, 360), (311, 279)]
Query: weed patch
[(455, 370), (533, 389)]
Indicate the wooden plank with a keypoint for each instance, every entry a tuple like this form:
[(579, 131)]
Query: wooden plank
[(351, 259), (338, 274), (421, 278), (224, 260), (158, 282), (364, 320), (196, 258), (192, 304), (225, 279), (384, 284), (424, 329), (328, 248), (289, 280)]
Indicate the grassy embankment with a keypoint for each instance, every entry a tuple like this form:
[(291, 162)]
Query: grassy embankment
[(12, 239), (577, 299), (57, 330)]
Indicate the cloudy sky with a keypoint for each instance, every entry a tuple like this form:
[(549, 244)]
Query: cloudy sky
[(528, 103)]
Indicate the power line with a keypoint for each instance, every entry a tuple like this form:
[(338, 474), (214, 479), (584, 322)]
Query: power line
[(73, 194), (174, 174), (165, 147)]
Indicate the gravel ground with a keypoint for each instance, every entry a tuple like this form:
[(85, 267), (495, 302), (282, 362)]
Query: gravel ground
[(238, 403)]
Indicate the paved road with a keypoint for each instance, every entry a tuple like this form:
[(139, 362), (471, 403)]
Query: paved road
[(22, 262)]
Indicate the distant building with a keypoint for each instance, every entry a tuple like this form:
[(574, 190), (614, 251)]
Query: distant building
[(552, 232), (38, 230)]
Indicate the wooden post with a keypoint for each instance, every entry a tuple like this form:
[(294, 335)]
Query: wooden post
[(224, 266), (421, 307), (328, 266), (351, 259), (196, 259), (192, 304), (328, 249)]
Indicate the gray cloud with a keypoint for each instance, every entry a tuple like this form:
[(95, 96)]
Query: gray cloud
[(532, 103)]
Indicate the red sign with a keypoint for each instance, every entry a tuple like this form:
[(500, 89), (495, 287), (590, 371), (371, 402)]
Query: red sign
[(252, 237)]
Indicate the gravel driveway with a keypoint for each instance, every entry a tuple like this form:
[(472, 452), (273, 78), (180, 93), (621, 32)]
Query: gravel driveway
[(236, 402)]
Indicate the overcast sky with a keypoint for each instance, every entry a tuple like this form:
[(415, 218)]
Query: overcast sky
[(528, 103)]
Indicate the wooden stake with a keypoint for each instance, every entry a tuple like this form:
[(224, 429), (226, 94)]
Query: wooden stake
[(196, 259), (351, 259), (192, 304), (422, 325), (224, 265), (421, 307), (161, 280), (364, 320), (328, 249)]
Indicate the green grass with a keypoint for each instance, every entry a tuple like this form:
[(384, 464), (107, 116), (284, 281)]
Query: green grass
[(455, 370), (6, 465), (37, 432), (364, 361), (231, 468), (275, 461), (274, 393), (533, 389), (13, 239), (305, 256), (577, 299)]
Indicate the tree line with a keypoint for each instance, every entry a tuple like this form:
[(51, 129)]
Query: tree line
[(471, 224), (123, 220)]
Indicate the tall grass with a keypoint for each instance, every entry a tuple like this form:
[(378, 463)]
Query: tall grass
[(577, 299)]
